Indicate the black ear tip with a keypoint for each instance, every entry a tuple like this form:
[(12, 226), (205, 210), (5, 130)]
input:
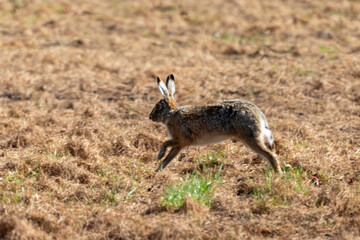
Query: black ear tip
[(157, 79), (172, 76)]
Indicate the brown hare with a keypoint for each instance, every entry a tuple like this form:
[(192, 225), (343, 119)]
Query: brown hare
[(200, 125)]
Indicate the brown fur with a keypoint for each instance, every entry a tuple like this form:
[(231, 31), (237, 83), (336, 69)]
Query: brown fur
[(197, 125)]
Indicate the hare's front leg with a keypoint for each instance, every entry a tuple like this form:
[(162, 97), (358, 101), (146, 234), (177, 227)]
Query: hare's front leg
[(173, 152), (164, 146)]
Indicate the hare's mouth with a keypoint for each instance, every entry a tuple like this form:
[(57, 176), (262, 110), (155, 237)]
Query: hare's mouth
[(154, 118)]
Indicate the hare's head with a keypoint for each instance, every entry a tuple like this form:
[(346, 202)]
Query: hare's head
[(164, 106)]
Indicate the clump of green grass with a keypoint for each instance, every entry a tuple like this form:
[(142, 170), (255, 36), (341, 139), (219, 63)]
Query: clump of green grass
[(199, 188), (281, 191), (260, 192), (302, 144), (325, 49), (302, 73), (226, 36), (14, 186), (297, 176), (212, 159)]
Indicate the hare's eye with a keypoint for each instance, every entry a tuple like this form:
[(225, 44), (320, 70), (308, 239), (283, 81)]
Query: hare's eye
[(158, 107)]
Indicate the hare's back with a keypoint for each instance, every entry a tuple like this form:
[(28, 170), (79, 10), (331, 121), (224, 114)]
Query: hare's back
[(224, 116), (238, 102), (241, 107), (242, 116), (223, 111)]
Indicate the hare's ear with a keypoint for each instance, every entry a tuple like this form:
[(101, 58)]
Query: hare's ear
[(162, 88), (170, 84)]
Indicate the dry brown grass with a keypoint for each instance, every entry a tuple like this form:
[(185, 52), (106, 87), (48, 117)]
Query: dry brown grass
[(77, 150)]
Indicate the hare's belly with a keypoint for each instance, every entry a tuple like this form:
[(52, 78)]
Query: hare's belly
[(210, 139)]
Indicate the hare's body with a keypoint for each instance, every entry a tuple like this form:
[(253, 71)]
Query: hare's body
[(200, 125)]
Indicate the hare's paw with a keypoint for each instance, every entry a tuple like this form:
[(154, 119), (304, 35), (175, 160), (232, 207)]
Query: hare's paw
[(161, 167), (160, 154)]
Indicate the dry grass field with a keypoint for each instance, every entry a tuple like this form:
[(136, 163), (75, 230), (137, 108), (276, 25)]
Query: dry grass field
[(77, 148)]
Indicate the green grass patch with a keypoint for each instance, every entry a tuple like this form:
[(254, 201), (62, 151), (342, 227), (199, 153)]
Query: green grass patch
[(325, 49), (13, 188), (302, 144), (298, 177), (281, 191), (212, 159), (199, 188), (261, 192), (302, 73), (249, 38), (225, 36)]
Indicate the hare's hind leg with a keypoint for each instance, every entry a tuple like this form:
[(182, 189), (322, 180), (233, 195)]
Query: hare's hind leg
[(267, 138), (261, 148), (265, 133), (173, 152)]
